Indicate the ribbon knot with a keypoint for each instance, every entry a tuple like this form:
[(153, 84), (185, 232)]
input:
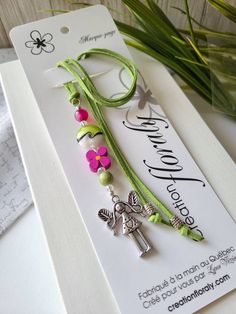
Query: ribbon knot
[(184, 230), (155, 218)]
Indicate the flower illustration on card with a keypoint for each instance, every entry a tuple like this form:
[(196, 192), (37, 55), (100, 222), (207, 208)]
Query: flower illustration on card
[(40, 43), (143, 96)]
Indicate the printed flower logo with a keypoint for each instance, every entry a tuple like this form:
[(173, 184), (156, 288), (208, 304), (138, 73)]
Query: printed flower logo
[(40, 43), (142, 95)]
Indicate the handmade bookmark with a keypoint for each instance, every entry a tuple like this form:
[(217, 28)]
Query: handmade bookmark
[(141, 200)]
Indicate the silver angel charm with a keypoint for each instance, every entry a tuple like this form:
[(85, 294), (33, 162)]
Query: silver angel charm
[(130, 225)]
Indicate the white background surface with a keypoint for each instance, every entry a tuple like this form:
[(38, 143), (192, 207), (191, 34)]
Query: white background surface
[(27, 279), (30, 281)]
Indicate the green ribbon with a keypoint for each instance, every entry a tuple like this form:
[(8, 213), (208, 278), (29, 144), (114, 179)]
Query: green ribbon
[(96, 101)]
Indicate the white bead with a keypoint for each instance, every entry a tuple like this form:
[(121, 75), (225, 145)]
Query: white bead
[(85, 142), (83, 123), (96, 141), (100, 170)]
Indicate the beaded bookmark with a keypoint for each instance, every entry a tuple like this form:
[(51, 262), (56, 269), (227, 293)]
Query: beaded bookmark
[(141, 200), (91, 139)]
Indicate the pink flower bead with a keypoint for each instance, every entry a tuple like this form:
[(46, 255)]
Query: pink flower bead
[(81, 114), (98, 159)]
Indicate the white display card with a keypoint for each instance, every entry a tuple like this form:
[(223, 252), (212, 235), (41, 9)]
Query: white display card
[(180, 275)]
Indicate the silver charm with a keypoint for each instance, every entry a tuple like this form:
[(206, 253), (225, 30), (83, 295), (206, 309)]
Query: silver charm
[(130, 225)]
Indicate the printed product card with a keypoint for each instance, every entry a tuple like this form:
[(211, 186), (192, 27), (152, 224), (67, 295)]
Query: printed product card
[(179, 275)]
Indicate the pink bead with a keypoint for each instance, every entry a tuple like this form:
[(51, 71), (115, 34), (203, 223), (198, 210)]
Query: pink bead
[(81, 114)]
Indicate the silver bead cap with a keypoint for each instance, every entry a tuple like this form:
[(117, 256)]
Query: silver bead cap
[(176, 222), (149, 209)]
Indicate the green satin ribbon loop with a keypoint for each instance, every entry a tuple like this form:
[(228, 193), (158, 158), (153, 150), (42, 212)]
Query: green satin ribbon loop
[(86, 83), (96, 101)]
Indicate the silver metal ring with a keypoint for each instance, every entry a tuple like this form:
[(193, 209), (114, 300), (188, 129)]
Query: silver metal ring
[(115, 198)]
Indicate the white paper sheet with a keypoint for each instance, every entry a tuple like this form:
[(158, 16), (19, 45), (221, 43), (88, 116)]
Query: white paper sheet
[(15, 196)]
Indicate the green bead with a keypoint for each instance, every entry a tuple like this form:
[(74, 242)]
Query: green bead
[(105, 178), (90, 129)]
